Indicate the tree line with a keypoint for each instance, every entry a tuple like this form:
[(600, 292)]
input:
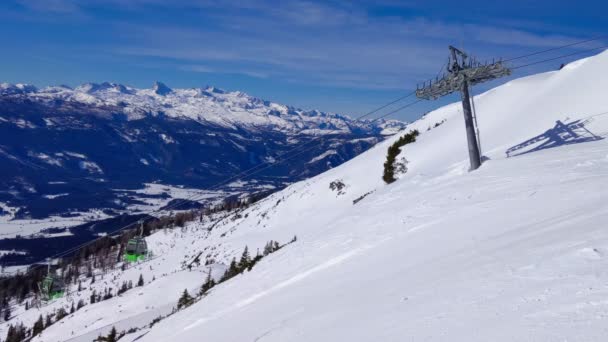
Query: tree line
[(102, 254)]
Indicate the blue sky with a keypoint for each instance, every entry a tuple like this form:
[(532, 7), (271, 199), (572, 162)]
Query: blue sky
[(341, 56)]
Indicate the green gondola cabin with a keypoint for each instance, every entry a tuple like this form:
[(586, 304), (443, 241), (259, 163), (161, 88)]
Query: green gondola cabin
[(136, 250), (52, 287)]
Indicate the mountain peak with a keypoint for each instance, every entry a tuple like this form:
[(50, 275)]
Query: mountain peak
[(91, 88), (161, 89), (19, 88)]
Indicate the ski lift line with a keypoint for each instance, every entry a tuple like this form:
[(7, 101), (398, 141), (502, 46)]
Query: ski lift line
[(443, 66), (194, 197), (384, 106), (238, 176), (360, 117), (73, 249), (244, 173), (400, 108), (556, 48), (84, 244), (560, 57), (295, 148)]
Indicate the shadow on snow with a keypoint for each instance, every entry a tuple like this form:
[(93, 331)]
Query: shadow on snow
[(561, 134)]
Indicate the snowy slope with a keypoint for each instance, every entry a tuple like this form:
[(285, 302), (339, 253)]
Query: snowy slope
[(513, 251)]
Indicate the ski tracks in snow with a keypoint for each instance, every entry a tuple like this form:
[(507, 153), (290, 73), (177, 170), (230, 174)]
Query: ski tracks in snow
[(339, 259)]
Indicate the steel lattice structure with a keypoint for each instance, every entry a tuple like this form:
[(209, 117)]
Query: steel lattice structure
[(462, 73)]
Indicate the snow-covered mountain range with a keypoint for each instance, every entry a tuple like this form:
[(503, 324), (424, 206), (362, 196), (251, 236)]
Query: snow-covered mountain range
[(208, 105), (514, 251), (71, 155)]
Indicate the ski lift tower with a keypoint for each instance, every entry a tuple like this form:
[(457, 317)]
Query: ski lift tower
[(462, 73)]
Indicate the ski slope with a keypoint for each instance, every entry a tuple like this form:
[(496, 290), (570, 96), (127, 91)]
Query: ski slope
[(515, 251)]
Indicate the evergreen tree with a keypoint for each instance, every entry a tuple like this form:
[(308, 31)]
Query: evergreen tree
[(10, 334), (93, 298), (123, 288), (268, 248), (209, 283), (245, 260), (112, 335), (7, 313), (393, 151), (72, 308), (255, 260), (38, 326), (231, 271), (140, 282), (60, 314), (48, 322), (185, 300), (15, 333), (80, 304), (21, 332)]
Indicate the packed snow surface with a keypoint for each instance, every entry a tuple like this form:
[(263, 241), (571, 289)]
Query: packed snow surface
[(514, 251)]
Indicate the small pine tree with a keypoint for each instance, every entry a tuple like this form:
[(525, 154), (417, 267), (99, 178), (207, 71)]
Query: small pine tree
[(392, 153), (185, 300), (16, 333), (209, 283), (61, 313), (93, 298), (268, 248), (38, 326), (10, 334), (123, 288), (80, 304), (72, 308), (245, 260), (112, 335), (7, 313), (140, 282), (231, 271), (48, 322)]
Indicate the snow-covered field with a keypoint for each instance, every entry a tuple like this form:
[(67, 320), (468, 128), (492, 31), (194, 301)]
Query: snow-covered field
[(12, 227), (515, 251), (168, 193)]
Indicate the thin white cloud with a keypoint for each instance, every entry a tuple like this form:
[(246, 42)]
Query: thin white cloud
[(209, 70), (328, 43)]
